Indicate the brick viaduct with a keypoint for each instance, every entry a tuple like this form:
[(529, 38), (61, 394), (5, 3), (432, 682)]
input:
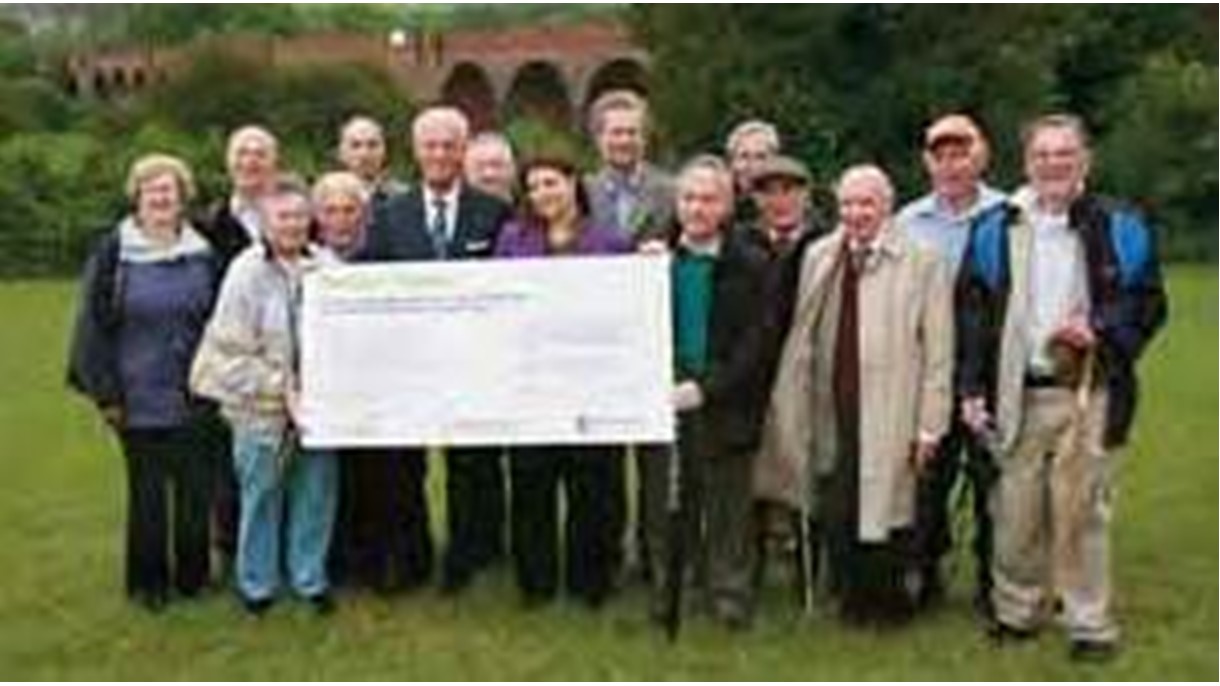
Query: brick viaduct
[(548, 71)]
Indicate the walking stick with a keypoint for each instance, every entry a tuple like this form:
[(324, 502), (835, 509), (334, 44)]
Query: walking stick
[(806, 560), (675, 564)]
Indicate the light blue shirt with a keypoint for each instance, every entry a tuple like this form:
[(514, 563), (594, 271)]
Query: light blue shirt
[(928, 220)]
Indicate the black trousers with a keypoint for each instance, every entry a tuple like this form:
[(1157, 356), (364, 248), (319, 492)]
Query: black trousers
[(169, 479), (225, 499), (590, 479), (934, 503), (476, 503), (383, 537)]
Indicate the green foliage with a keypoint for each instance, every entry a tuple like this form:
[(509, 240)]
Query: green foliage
[(846, 84), (1161, 149), (538, 138), (30, 103), (58, 189), (53, 199), (303, 105)]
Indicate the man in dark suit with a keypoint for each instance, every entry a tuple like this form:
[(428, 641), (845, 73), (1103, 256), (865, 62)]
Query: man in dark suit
[(441, 218), (230, 226)]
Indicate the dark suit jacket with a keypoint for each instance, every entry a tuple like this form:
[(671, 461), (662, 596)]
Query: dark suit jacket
[(225, 232), (735, 384), (400, 227)]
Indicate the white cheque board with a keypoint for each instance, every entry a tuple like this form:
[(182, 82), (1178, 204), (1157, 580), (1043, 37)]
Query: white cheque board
[(505, 352)]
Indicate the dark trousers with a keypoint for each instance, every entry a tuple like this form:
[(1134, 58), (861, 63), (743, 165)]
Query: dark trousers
[(935, 506), (475, 495), (715, 487), (225, 499), (590, 478), (383, 536), (169, 477)]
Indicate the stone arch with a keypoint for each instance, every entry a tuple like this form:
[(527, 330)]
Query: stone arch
[(539, 91), (101, 86), (118, 80), (469, 88), (622, 73), (138, 79)]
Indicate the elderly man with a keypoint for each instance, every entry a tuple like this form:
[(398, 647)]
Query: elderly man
[(1060, 294), (231, 225), (781, 193), (861, 396), (749, 146), (490, 166), (627, 192), (443, 218), (362, 151), (719, 300), (955, 157), (784, 228), (252, 159)]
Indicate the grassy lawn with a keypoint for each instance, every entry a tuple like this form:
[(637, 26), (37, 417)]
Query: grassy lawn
[(62, 613)]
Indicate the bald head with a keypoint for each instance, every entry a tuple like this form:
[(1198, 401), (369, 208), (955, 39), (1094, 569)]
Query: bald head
[(490, 166), (362, 149)]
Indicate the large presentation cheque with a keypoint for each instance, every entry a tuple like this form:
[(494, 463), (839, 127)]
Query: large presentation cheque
[(512, 352)]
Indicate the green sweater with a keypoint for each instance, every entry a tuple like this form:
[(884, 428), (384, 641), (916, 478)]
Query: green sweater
[(692, 279)]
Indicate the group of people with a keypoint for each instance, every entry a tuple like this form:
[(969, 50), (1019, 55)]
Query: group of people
[(831, 383)]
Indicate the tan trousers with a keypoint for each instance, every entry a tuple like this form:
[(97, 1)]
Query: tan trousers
[(1052, 508)]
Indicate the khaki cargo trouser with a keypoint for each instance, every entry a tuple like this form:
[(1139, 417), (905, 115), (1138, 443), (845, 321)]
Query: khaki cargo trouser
[(1052, 508)]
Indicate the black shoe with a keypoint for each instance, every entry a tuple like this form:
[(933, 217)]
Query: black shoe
[(983, 607), (323, 604), (257, 607), (931, 589), (1084, 650), (454, 582), (732, 614), (152, 601), (1002, 633)]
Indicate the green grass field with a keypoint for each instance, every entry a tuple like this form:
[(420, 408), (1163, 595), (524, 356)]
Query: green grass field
[(63, 616)]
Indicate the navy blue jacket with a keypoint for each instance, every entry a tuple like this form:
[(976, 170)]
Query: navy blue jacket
[(1128, 304), (400, 227)]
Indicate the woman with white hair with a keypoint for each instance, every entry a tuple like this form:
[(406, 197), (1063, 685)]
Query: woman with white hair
[(146, 294), (862, 393)]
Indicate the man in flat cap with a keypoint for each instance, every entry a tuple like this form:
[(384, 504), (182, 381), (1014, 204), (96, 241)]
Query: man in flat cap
[(784, 227)]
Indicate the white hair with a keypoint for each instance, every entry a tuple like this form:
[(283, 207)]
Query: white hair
[(442, 116), (361, 121), (753, 127), (251, 133), (708, 164), (871, 175)]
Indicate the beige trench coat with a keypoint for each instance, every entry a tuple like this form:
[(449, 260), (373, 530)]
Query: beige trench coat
[(906, 357)]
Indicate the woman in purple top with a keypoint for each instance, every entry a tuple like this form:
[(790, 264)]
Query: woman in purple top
[(554, 221)]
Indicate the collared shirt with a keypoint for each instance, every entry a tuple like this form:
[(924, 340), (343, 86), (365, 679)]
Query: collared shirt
[(627, 191), (1057, 285), (248, 215), (450, 198), (709, 248), (931, 221)]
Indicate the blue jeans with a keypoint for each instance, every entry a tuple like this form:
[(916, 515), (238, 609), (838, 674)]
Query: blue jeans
[(309, 481)]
